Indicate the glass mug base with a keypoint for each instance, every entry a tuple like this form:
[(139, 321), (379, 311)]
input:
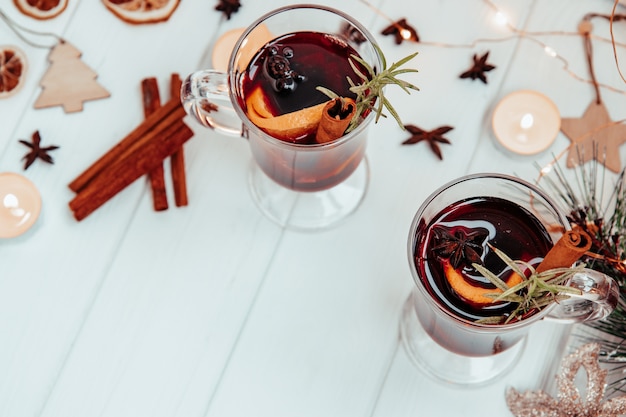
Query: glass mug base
[(308, 211), (446, 366)]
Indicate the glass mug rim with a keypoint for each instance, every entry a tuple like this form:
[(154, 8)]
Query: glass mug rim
[(233, 88), (486, 328)]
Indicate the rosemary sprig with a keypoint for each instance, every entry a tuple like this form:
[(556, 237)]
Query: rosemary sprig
[(370, 90), (533, 293)]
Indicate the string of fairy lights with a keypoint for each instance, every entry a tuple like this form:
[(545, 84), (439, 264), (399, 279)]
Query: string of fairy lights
[(501, 19)]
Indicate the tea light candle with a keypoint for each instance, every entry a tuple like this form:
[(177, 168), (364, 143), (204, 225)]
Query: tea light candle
[(526, 122), (20, 204), (223, 48), (224, 45)]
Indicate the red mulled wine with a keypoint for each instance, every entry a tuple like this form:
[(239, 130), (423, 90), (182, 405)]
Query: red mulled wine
[(462, 234), (289, 69), (282, 79)]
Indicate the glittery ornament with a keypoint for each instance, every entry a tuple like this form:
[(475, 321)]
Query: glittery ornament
[(569, 402)]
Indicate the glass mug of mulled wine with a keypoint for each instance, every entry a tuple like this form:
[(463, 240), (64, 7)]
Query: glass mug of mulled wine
[(451, 327), (300, 177)]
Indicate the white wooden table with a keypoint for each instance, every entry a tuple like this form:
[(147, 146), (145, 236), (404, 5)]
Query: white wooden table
[(211, 310)]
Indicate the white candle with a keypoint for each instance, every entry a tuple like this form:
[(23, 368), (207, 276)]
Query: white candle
[(526, 122), (20, 204), (223, 47)]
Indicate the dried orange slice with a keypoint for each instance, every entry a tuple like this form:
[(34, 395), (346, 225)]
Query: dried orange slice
[(41, 9), (472, 293), (142, 11), (12, 70)]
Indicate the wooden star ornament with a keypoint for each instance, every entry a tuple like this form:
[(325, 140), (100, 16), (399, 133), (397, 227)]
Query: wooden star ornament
[(594, 136)]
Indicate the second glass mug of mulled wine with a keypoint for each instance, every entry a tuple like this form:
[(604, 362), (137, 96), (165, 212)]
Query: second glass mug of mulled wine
[(298, 178), (452, 326)]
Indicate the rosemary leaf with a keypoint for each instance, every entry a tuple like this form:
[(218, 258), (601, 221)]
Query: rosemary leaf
[(369, 91), (508, 261), (495, 280), (330, 93)]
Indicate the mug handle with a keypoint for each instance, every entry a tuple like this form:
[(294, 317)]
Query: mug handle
[(204, 94), (600, 295)]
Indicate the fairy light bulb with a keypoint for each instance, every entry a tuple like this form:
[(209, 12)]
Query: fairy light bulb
[(546, 170), (406, 34), (500, 19), (549, 51)]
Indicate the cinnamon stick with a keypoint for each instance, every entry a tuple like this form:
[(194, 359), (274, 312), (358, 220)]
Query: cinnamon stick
[(336, 117), (166, 139), (175, 85), (151, 102), (177, 160), (567, 250), (165, 115)]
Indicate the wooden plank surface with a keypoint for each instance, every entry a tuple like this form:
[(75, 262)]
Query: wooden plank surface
[(211, 310)]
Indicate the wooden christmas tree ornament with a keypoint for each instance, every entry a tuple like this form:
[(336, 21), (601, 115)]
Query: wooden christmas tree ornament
[(68, 81)]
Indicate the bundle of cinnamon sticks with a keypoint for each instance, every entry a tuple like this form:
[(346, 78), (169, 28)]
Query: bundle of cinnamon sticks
[(161, 135)]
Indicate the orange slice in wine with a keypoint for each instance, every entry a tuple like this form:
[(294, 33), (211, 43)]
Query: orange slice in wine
[(41, 9), (474, 293), (12, 70), (288, 126), (142, 11)]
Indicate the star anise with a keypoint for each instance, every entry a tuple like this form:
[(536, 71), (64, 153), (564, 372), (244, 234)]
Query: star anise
[(36, 151), (433, 137), (228, 7), (479, 68), (208, 107), (462, 248), (402, 31), (353, 34)]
